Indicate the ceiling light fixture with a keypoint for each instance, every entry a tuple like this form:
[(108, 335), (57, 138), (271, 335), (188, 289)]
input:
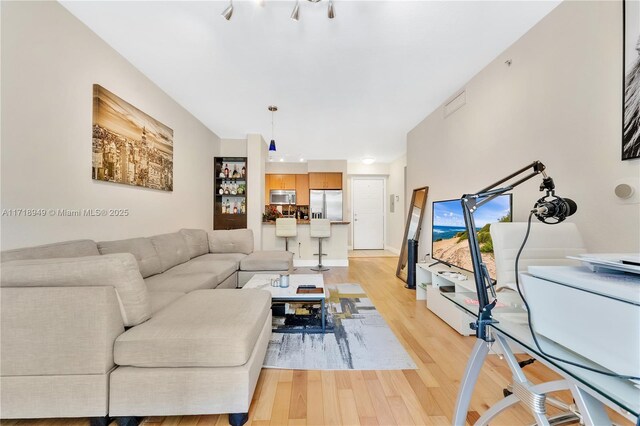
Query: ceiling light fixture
[(295, 15), (368, 160), (228, 12), (301, 160), (272, 144), (281, 159)]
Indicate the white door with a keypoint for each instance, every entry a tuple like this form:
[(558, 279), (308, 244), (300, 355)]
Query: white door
[(368, 214)]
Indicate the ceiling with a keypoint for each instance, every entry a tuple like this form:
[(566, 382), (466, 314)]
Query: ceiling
[(346, 88)]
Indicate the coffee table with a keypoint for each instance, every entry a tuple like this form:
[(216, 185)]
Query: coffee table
[(288, 294)]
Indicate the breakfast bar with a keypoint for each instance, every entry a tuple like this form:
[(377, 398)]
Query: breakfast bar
[(305, 248)]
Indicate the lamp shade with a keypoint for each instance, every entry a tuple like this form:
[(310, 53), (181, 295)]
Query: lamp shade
[(272, 146), (228, 12)]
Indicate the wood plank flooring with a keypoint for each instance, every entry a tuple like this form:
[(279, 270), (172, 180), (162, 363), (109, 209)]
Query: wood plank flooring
[(410, 397)]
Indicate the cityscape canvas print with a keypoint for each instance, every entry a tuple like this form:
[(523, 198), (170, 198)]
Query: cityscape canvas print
[(129, 147), (631, 104)]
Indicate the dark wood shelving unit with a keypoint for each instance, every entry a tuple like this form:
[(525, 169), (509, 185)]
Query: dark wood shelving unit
[(229, 202)]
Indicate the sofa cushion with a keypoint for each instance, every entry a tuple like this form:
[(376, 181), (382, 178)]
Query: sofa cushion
[(267, 260), (233, 257), (76, 248), (201, 329), (220, 268), (183, 282), (197, 241), (172, 249), (231, 241), (116, 270), (160, 299), (143, 250)]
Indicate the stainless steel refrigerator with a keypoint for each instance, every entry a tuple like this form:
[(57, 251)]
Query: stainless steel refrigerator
[(326, 204)]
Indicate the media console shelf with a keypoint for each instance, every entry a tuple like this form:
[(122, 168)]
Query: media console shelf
[(430, 281)]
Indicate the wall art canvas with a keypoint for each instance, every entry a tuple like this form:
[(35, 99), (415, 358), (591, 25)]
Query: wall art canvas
[(129, 146), (631, 99)]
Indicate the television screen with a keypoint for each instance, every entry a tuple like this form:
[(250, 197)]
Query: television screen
[(449, 241)]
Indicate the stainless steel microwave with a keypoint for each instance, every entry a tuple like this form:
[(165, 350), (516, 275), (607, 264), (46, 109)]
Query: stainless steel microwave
[(282, 196)]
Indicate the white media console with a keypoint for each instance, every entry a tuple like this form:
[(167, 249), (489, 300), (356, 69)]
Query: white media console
[(430, 281)]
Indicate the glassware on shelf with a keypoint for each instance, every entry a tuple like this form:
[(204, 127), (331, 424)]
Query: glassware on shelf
[(226, 170), (243, 172)]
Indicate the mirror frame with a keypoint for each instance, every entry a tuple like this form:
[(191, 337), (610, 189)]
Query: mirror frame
[(403, 250)]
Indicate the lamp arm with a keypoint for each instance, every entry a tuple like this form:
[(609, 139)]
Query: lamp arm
[(470, 203)]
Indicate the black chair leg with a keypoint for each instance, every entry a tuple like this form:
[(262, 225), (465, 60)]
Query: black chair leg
[(100, 421), (238, 419), (129, 421)]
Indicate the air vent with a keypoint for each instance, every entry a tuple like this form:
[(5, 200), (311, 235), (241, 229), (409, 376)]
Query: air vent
[(455, 103)]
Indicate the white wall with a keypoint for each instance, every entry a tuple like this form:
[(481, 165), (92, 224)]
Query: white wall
[(256, 157), (285, 168), (396, 220), (50, 61), (232, 148), (559, 102)]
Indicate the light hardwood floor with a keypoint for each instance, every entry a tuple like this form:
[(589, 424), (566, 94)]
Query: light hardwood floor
[(425, 396)]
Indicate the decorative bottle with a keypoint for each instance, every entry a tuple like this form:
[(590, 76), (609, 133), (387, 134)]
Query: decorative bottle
[(244, 171), (235, 207), (243, 207), (226, 170)]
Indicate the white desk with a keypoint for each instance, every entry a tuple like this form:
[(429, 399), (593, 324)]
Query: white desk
[(590, 390)]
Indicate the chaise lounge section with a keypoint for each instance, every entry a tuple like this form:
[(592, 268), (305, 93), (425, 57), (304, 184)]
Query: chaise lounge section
[(136, 327)]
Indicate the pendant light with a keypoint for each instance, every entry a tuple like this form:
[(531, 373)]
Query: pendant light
[(272, 144)]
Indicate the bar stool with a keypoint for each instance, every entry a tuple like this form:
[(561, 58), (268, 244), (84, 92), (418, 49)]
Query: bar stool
[(286, 227), (320, 228)]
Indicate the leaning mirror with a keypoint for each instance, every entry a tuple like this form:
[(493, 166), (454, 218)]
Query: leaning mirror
[(412, 228)]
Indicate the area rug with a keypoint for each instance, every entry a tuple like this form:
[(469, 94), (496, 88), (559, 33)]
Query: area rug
[(358, 339)]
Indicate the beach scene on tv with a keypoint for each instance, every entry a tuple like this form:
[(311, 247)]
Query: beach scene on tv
[(449, 234)]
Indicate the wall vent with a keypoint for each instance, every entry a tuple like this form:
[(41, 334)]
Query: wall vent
[(455, 103)]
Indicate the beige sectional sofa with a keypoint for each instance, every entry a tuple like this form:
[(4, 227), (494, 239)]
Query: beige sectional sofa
[(133, 328)]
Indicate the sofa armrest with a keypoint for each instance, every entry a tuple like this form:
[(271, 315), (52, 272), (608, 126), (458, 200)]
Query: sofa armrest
[(119, 271), (58, 330)]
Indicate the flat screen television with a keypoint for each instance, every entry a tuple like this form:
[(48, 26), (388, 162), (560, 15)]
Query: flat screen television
[(449, 242)]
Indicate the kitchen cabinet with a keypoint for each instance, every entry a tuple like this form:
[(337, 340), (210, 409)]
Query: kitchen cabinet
[(325, 180), (267, 188), (277, 182), (333, 180), (302, 190), (282, 182)]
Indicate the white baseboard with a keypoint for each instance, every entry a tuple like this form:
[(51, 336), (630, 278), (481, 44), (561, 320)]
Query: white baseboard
[(303, 263), (392, 250)]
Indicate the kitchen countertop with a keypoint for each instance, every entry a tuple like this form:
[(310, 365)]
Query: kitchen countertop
[(306, 222)]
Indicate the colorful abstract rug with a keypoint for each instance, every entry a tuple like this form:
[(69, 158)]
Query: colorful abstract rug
[(358, 339)]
